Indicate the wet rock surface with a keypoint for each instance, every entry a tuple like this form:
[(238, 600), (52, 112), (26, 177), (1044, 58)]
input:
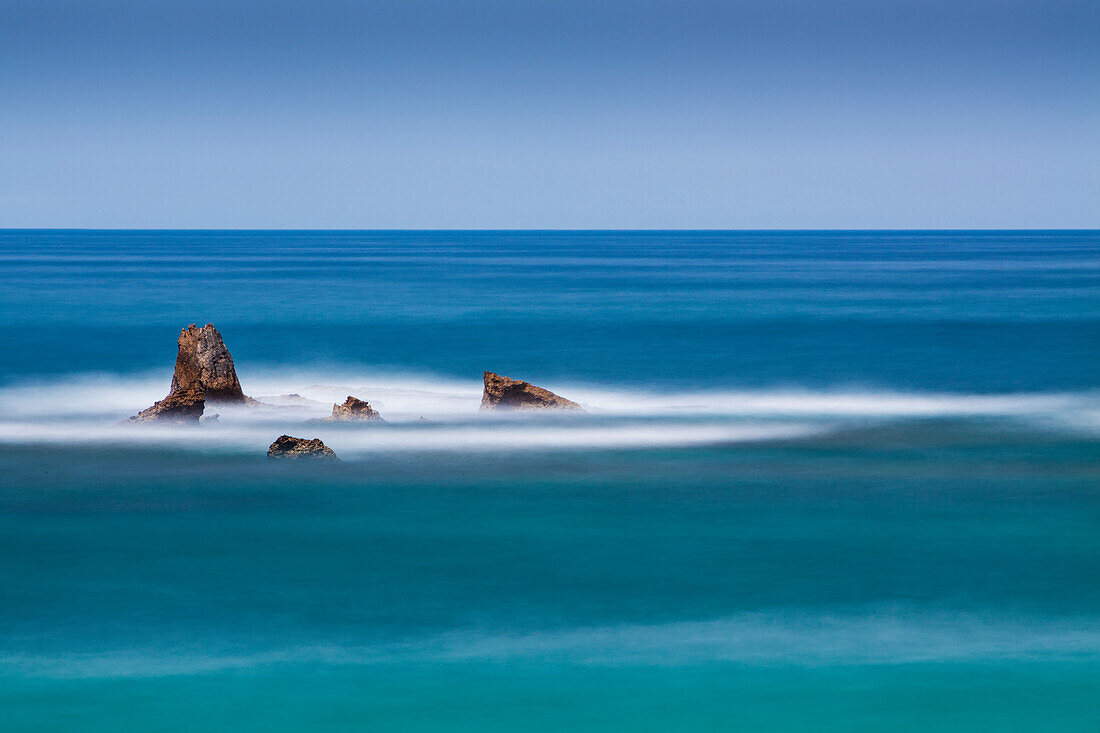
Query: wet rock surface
[(504, 393), (289, 447), (204, 373), (354, 410), (180, 407), (204, 361)]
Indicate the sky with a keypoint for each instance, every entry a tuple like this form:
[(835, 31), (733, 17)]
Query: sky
[(416, 114)]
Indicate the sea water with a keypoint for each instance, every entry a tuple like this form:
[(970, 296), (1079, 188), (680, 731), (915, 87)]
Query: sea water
[(826, 481)]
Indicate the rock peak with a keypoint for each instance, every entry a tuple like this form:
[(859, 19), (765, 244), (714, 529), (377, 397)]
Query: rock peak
[(204, 372), (515, 394), (204, 361), (354, 410)]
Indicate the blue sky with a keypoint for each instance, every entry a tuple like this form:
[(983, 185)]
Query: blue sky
[(538, 114)]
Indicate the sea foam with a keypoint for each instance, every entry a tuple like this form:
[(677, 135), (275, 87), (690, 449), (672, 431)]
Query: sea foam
[(90, 408)]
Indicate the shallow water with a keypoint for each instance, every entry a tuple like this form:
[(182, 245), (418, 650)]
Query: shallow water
[(840, 481)]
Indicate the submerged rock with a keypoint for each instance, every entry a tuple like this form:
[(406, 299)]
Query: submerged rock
[(288, 399), (515, 394), (287, 446), (182, 407), (354, 410), (204, 361)]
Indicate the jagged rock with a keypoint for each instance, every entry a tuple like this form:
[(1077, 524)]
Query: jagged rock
[(287, 446), (514, 394), (204, 371), (353, 410), (204, 361), (182, 407), (209, 418)]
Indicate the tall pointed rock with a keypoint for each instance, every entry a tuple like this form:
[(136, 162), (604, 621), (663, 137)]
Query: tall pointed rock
[(204, 373), (204, 362)]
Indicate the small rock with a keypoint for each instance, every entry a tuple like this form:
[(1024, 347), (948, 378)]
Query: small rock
[(354, 410), (286, 446), (182, 407), (514, 394)]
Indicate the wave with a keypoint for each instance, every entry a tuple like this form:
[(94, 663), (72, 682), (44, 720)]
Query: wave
[(830, 403), (408, 394), (87, 409), (351, 441), (757, 639), (122, 396), (791, 639)]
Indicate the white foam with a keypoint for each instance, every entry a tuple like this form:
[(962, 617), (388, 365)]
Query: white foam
[(786, 638), (87, 409), (416, 393), (349, 442), (843, 403)]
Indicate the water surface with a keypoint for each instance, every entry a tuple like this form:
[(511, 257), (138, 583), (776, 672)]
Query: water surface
[(826, 480)]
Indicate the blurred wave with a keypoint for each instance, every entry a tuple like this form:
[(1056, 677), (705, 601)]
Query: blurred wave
[(761, 639), (90, 408)]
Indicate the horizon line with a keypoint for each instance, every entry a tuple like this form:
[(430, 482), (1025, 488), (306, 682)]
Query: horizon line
[(542, 229)]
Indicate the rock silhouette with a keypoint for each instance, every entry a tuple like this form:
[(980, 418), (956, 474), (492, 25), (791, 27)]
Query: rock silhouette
[(289, 447), (515, 394)]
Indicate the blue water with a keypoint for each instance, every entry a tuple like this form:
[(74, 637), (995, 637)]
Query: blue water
[(825, 481)]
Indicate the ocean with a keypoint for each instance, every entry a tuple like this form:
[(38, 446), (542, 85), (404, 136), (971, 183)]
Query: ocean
[(828, 481)]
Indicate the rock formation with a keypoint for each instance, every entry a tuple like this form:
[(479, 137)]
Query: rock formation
[(514, 394), (204, 372), (182, 407), (286, 446), (204, 361), (354, 410)]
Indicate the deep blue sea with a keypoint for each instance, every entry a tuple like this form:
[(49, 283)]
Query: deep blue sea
[(825, 481)]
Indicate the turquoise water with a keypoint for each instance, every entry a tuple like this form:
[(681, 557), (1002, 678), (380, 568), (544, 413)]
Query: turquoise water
[(826, 481)]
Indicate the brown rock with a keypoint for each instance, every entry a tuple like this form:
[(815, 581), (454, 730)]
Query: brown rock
[(504, 393), (204, 371), (204, 361), (354, 410), (286, 446), (182, 407)]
